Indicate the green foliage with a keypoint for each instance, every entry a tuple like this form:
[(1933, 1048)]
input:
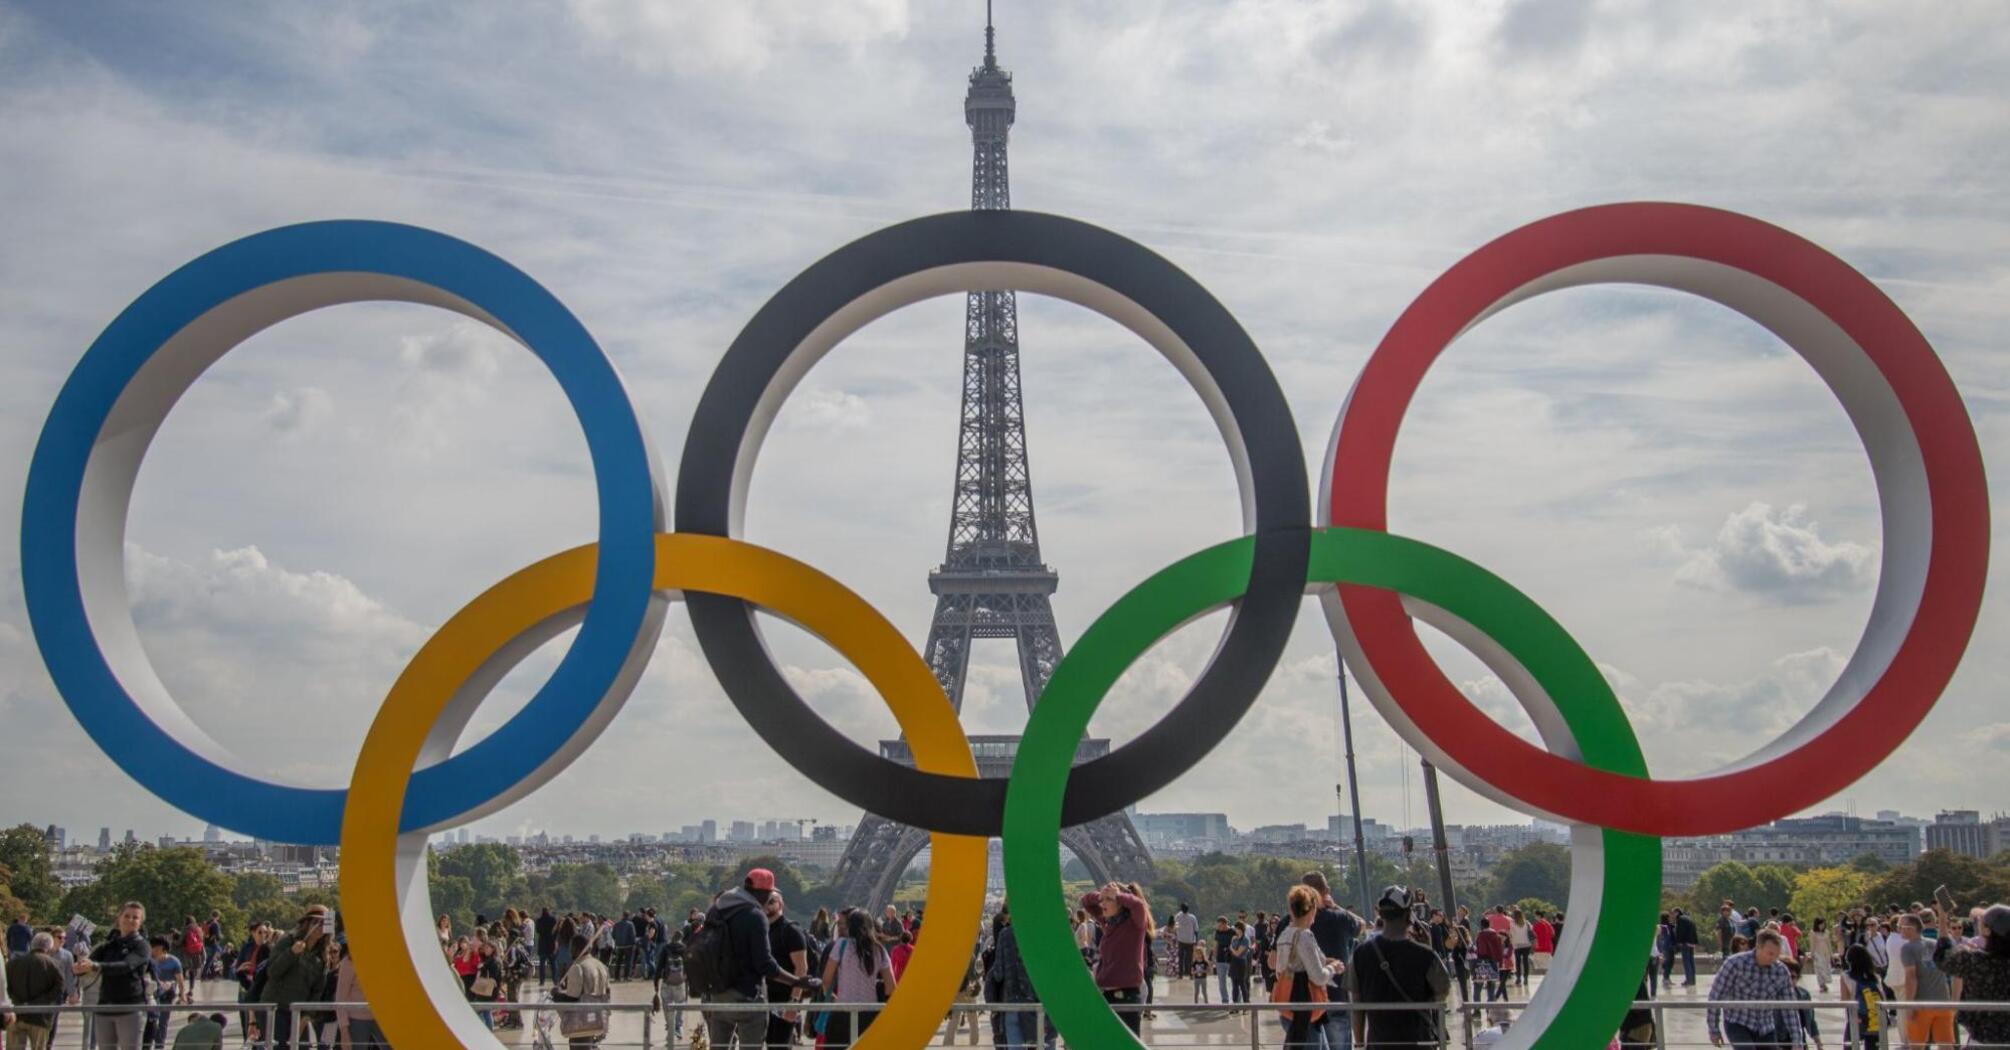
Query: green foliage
[(1540, 870), (1970, 880), (1220, 884), (494, 875), (1870, 864), (1827, 892), (31, 879), (1531, 907), (1765, 887), (172, 884)]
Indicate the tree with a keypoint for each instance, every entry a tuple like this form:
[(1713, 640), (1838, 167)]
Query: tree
[(1765, 887), (10, 905), (1827, 892), (1870, 864), (1531, 907), (1776, 886), (25, 852), (172, 884), (494, 872), (1970, 880), (1540, 870)]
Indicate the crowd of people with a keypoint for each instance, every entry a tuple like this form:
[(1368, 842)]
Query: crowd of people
[(822, 981)]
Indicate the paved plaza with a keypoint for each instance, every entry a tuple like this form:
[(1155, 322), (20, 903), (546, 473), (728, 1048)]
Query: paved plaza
[(1174, 1021)]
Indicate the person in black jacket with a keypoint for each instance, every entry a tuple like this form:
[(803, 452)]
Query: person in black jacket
[(121, 963), (1685, 942), (742, 910), (547, 942)]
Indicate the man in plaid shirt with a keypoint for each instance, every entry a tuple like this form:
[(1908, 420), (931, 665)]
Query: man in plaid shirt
[(1756, 976)]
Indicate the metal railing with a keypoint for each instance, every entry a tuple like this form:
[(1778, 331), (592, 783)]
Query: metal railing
[(88, 1013), (1476, 1016), (1262, 1026)]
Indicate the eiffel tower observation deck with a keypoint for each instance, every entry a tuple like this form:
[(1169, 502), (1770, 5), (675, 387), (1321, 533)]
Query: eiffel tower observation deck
[(992, 582)]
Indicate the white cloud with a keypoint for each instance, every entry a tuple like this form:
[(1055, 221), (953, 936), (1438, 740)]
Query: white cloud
[(737, 38), (299, 411), (827, 411), (1314, 166), (1779, 554)]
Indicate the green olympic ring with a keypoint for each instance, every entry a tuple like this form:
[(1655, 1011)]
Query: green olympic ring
[(1608, 959)]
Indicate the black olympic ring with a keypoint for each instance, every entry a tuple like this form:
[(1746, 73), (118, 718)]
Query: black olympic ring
[(984, 251)]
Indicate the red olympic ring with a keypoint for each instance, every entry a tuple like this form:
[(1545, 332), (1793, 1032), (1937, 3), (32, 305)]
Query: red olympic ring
[(1924, 457)]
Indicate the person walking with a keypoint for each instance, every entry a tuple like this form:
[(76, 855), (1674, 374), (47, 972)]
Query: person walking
[(585, 981), (1303, 968), (1757, 975), (1491, 951), (1459, 948), (1924, 983), (212, 946), (859, 971), (34, 978), (170, 976), (1522, 939), (1820, 951), (122, 964), (1864, 988), (191, 949), (1392, 967)]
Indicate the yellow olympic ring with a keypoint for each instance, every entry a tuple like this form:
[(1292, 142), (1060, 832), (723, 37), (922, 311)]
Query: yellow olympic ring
[(383, 872)]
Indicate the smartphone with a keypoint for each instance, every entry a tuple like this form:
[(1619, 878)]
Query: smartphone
[(1945, 900)]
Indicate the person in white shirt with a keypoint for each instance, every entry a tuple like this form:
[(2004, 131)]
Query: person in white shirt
[(1186, 934)]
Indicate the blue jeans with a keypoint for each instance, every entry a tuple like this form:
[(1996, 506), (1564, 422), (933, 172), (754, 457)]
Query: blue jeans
[(1019, 1025), (1743, 1038), (1221, 980), (1335, 1030)]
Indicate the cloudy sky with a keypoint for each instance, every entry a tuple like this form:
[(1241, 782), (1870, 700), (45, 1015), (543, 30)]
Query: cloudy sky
[(1667, 479)]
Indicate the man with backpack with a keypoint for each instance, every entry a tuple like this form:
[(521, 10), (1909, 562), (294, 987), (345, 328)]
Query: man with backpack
[(670, 985), (212, 946), (1390, 967), (729, 955), (191, 946)]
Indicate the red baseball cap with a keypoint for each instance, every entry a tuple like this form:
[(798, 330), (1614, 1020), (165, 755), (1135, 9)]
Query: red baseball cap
[(760, 879)]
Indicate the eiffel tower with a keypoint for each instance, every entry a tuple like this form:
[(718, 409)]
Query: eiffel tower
[(992, 583)]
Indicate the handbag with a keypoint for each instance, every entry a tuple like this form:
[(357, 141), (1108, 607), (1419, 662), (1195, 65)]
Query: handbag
[(579, 1024), (483, 987), (1299, 989)]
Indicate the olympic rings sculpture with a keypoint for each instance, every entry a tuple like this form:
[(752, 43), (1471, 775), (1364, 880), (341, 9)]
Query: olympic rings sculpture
[(1923, 451)]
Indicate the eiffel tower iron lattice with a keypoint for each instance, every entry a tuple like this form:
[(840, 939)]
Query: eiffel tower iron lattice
[(992, 582)]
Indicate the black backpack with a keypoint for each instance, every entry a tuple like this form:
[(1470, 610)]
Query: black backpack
[(708, 956)]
